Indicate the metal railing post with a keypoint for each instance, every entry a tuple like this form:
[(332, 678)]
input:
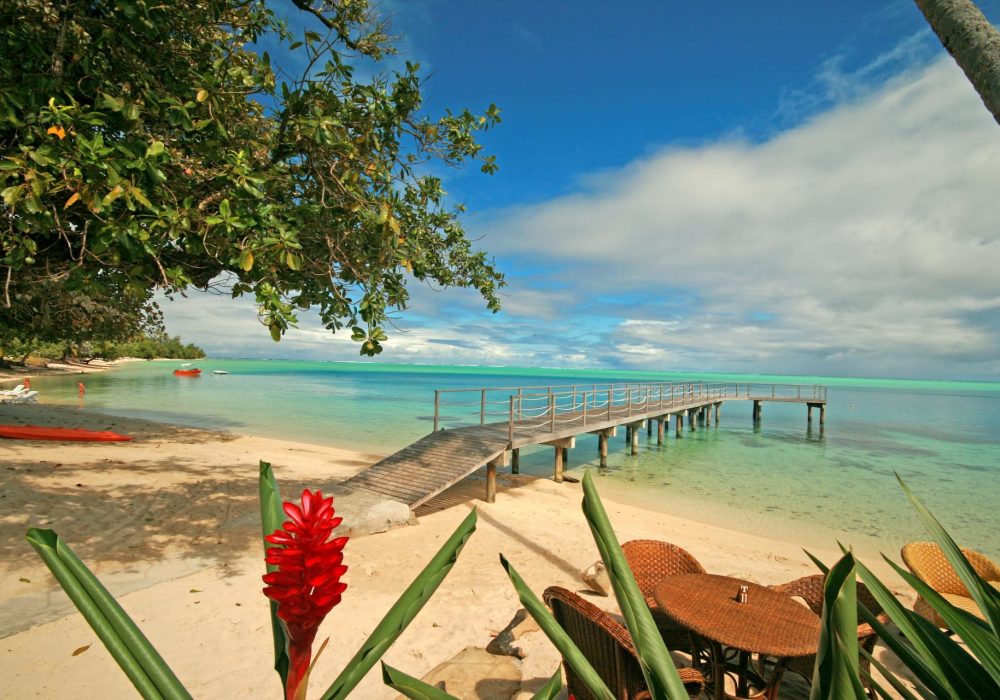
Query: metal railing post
[(519, 416), (628, 397), (437, 403), (611, 395), (585, 409), (482, 409), (552, 412)]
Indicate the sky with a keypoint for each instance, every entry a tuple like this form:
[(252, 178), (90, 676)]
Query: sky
[(780, 187)]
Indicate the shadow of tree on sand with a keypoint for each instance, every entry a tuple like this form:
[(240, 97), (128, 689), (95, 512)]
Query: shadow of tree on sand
[(116, 511)]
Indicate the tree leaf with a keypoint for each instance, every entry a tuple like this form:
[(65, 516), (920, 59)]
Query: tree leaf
[(72, 200), (135, 655), (271, 518), (654, 659), (246, 260), (403, 611), (572, 655), (411, 687), (202, 95)]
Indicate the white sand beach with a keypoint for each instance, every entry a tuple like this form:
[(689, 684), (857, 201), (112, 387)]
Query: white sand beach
[(170, 522)]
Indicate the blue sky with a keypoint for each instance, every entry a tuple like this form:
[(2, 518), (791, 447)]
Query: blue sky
[(778, 187)]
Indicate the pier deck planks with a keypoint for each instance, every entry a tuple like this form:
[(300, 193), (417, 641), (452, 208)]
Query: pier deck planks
[(425, 468)]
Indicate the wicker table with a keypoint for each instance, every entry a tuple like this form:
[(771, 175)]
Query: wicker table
[(769, 623)]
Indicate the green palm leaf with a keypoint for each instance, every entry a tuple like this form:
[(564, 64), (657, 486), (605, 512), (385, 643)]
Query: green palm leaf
[(271, 518), (654, 659), (557, 635), (128, 646), (402, 612), (835, 675), (411, 687), (986, 597)]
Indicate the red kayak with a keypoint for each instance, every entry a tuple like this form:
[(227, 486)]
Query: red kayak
[(187, 372), (36, 432)]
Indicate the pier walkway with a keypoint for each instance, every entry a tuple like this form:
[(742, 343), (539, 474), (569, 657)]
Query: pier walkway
[(486, 427)]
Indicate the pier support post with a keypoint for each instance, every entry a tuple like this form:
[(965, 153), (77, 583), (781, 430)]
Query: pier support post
[(756, 410), (649, 428), (515, 461), (718, 407), (491, 476), (562, 447), (634, 444), (660, 427), (491, 481), (822, 413), (628, 434), (679, 425), (693, 420), (602, 448), (809, 413)]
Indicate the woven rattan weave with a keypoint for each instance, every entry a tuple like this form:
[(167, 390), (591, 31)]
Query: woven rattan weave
[(768, 623), (651, 561), (928, 563), (810, 589), (608, 647)]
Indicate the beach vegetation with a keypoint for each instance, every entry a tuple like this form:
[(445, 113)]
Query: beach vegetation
[(967, 666), (206, 145), (146, 346)]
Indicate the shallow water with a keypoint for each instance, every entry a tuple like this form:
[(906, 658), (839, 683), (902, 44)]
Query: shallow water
[(781, 479)]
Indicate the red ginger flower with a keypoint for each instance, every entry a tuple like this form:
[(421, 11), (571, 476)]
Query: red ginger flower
[(307, 584)]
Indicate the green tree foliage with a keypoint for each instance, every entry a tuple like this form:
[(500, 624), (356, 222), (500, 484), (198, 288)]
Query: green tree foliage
[(146, 347), (50, 312), (151, 145)]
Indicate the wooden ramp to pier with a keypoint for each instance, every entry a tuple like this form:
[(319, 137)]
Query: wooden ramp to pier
[(424, 469), (510, 418)]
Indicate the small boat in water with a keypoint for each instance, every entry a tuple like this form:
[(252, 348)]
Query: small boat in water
[(219, 371), (186, 370), (37, 432)]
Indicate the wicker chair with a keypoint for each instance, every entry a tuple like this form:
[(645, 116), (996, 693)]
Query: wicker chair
[(608, 647), (651, 561), (810, 589), (928, 563)]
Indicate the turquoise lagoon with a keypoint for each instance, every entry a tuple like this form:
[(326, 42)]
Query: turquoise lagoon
[(782, 479)]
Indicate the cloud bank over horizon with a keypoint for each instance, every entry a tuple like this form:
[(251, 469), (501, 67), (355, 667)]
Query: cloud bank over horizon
[(863, 241)]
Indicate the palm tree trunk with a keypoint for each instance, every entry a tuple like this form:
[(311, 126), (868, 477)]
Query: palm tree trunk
[(972, 41)]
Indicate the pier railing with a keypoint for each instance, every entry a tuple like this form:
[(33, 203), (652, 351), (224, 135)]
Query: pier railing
[(580, 404)]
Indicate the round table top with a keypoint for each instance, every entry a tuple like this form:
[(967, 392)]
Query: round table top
[(768, 623)]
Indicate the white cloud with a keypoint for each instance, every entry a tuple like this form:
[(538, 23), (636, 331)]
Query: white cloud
[(863, 241), (867, 237)]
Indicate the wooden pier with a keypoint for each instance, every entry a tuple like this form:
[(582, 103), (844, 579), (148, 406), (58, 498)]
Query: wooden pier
[(491, 425)]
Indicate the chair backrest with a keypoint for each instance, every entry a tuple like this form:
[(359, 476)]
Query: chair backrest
[(810, 589), (651, 561), (928, 563), (602, 639), (606, 643)]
